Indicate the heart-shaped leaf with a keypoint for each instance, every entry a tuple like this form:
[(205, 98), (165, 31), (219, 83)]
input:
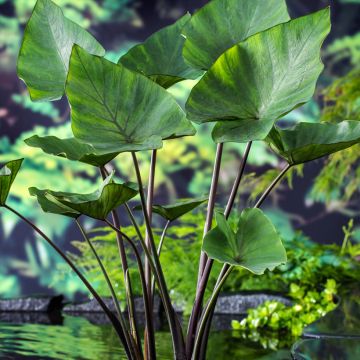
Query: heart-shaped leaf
[(96, 205), (160, 56), (7, 176), (220, 24), (45, 51), (117, 110), (260, 79), (310, 141), (255, 246), (174, 211), (71, 149)]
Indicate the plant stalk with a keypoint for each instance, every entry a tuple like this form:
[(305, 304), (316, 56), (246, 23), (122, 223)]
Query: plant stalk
[(159, 252), (211, 205), (237, 181), (272, 185), (207, 313), (149, 202), (125, 267), (113, 319), (174, 324), (103, 270), (194, 318), (226, 266), (148, 312)]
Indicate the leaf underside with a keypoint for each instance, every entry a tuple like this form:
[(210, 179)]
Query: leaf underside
[(7, 176), (310, 141), (96, 205), (70, 148), (174, 211)]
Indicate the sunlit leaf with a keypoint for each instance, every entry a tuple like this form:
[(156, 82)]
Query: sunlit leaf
[(255, 246), (310, 141), (220, 24), (257, 81), (160, 56), (117, 110), (45, 51), (7, 176)]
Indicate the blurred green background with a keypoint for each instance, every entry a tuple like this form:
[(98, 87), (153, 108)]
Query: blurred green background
[(325, 195)]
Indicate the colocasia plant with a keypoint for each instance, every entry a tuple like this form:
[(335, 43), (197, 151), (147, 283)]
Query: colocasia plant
[(254, 64)]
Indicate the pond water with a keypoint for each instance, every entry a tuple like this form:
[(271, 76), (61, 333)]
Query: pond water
[(77, 338), (89, 337)]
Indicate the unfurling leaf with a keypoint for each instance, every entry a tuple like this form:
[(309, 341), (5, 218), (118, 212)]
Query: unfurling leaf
[(310, 141), (255, 246), (117, 110), (160, 58), (7, 176), (71, 149), (45, 51), (220, 24), (96, 205), (257, 81)]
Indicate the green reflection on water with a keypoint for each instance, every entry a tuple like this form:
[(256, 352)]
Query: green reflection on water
[(77, 338)]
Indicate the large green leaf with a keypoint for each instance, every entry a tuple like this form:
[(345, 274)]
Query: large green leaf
[(160, 56), (255, 246), (45, 51), (116, 110), (7, 176), (260, 79), (96, 205), (71, 149), (223, 23), (310, 141), (174, 211)]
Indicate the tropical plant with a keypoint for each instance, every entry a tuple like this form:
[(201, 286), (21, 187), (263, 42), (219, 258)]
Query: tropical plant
[(254, 71)]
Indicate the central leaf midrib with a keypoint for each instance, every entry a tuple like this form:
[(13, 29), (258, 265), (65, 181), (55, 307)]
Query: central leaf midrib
[(102, 101)]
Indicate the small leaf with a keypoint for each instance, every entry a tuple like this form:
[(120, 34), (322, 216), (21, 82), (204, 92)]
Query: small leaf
[(310, 141), (71, 149), (49, 203), (45, 51), (220, 24), (257, 81), (117, 110), (160, 56), (96, 205), (255, 246), (7, 176), (174, 211)]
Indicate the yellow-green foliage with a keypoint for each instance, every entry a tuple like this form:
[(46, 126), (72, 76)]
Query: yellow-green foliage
[(340, 177)]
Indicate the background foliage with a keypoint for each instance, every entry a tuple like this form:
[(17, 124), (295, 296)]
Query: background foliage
[(184, 165)]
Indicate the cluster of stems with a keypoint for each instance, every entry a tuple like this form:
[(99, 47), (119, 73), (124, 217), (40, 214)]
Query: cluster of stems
[(192, 345)]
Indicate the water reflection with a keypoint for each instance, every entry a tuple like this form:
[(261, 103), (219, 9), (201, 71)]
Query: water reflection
[(78, 338)]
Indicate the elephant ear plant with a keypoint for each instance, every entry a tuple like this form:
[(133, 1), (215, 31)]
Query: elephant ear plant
[(254, 65)]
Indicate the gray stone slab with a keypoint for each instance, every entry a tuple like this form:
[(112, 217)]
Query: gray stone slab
[(92, 306), (26, 304), (241, 302)]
